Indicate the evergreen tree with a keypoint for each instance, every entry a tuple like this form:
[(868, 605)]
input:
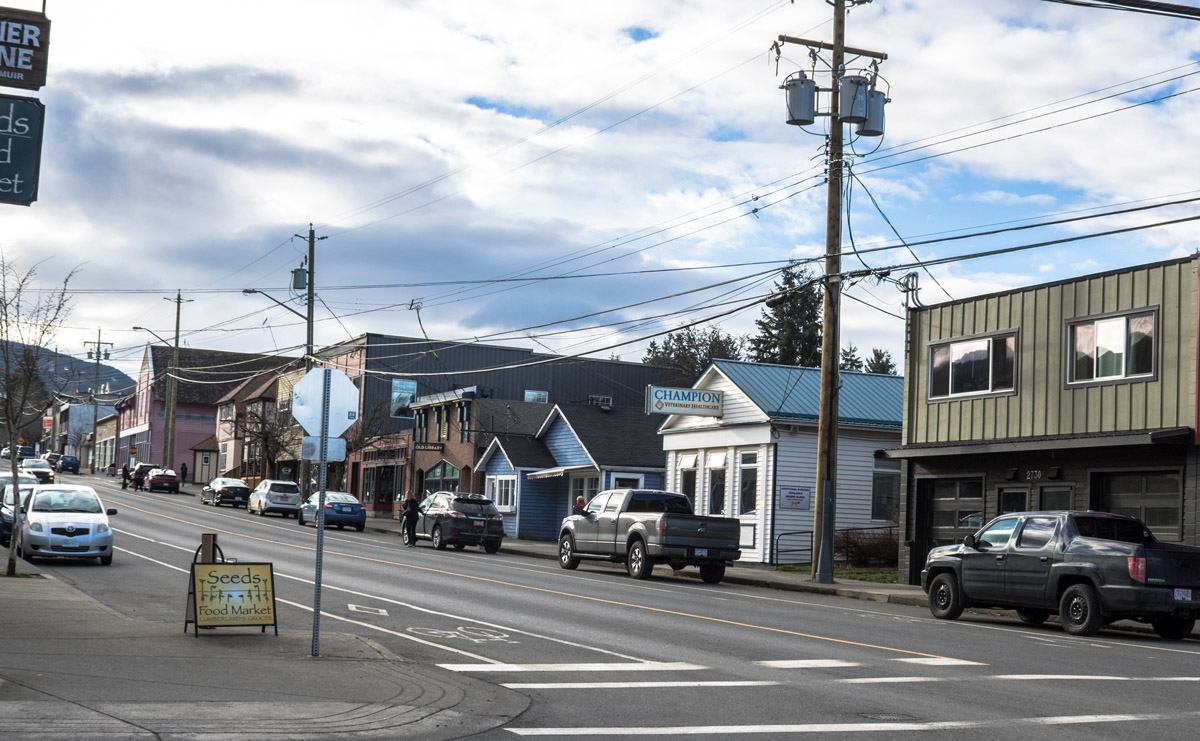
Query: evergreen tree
[(690, 349), (850, 360), (880, 362), (790, 334)]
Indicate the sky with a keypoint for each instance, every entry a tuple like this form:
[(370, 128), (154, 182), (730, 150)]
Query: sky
[(630, 157)]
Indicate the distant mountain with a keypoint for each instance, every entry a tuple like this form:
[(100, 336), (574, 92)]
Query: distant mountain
[(74, 375)]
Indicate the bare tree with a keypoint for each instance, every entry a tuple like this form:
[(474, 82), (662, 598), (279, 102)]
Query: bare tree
[(268, 434), (30, 317)]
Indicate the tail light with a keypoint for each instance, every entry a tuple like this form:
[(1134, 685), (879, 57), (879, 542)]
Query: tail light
[(662, 526), (328, 505), (1137, 569), (223, 490), (456, 514), (497, 517)]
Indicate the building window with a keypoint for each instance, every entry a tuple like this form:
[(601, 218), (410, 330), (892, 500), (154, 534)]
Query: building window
[(885, 491), (1154, 497), (502, 490), (980, 366), (748, 483), (954, 503), (537, 397), (600, 400), (227, 411), (442, 477), (464, 422), (1057, 497), (1012, 500), (223, 465), (584, 486), (1112, 348)]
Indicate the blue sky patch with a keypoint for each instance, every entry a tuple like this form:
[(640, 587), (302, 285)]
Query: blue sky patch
[(500, 106), (640, 34), (727, 134)]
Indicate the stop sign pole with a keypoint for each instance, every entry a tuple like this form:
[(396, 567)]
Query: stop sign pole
[(316, 638)]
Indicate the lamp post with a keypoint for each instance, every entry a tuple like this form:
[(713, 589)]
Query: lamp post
[(169, 445)]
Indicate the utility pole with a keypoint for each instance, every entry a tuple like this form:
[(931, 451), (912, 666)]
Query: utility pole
[(308, 343), (825, 511), (95, 391), (173, 386)]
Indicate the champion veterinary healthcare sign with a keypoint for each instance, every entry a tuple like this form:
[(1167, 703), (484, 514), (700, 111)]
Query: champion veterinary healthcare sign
[(665, 400)]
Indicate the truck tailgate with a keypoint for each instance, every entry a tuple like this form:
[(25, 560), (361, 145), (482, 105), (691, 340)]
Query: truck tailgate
[(1171, 565), (698, 531)]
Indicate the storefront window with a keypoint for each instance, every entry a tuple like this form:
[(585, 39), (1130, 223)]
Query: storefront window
[(442, 477)]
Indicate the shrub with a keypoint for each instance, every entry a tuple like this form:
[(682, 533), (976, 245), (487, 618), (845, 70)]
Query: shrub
[(867, 547)]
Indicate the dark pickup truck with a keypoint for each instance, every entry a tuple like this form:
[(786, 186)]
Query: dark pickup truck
[(642, 527), (1090, 568)]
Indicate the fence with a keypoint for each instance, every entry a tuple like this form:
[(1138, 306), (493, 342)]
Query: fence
[(843, 546)]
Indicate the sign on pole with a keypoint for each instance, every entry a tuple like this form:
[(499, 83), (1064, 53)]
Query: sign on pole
[(24, 48), (21, 121)]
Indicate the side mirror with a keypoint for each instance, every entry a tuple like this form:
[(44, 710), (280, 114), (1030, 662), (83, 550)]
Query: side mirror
[(969, 541), (110, 511)]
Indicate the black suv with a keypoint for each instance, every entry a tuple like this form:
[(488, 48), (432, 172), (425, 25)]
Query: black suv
[(68, 463), (460, 520)]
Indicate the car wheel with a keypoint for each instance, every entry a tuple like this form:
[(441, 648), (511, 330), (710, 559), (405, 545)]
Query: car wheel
[(404, 538), (1079, 610), (566, 553), (712, 573), (360, 528), (438, 543), (1033, 617), (106, 560), (300, 519), (637, 563), (944, 600), (1174, 628), (261, 512), (491, 546), (22, 552)]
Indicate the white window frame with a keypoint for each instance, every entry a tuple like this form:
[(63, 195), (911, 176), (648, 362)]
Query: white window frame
[(537, 397), (505, 501), (641, 480), (587, 492)]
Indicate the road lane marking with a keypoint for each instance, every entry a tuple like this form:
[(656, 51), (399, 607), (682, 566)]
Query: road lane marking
[(940, 662), (642, 666), (889, 680), (832, 728), (807, 663), (631, 685), (560, 593)]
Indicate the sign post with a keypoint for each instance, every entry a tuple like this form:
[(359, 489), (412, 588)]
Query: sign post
[(325, 403)]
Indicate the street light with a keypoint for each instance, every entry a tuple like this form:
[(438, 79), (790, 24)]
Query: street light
[(169, 447)]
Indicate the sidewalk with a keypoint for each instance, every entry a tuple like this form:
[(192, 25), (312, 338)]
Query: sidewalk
[(70, 668)]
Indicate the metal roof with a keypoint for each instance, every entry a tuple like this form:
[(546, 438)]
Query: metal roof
[(789, 391)]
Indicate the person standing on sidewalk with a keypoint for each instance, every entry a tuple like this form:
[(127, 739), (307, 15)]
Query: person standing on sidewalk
[(183, 472), (125, 476), (411, 511)]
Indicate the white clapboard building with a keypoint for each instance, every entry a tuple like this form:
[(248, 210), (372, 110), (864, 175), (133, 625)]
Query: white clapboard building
[(757, 460)]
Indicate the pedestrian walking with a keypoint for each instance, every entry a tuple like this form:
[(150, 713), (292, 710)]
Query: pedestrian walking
[(411, 511), (183, 472), (125, 476)]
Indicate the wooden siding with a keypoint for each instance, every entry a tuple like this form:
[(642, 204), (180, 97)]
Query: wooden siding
[(560, 440), (737, 407), (1043, 404), (542, 504)]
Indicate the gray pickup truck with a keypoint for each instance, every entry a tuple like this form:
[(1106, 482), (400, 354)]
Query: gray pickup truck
[(1089, 567), (642, 527)]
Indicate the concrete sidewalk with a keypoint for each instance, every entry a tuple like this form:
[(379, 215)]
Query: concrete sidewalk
[(70, 668)]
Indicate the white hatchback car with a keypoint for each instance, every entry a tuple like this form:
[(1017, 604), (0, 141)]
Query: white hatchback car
[(65, 522), (272, 495)]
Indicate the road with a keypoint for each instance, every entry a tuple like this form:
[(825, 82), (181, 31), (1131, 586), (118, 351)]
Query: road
[(600, 654)]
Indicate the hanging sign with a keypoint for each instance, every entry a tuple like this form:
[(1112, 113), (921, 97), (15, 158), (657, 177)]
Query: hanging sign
[(24, 48), (227, 595), (20, 149)]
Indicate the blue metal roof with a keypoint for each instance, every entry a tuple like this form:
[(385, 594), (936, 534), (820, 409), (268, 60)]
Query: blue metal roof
[(789, 391)]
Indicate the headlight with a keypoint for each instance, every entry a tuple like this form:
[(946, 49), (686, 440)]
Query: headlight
[(35, 526), (102, 527)]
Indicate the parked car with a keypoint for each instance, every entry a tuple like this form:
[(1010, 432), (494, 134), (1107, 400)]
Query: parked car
[(139, 472), (1090, 568), (460, 520), (68, 463), (39, 468), (23, 452), (162, 478), (642, 527), (25, 485), (6, 452), (65, 522), (341, 509), (52, 459), (272, 495), (225, 491)]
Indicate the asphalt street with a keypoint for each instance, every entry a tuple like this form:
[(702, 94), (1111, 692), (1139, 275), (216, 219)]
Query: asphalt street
[(599, 654)]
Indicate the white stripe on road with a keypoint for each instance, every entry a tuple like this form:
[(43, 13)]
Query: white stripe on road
[(628, 685), (932, 661), (831, 728), (646, 666), (890, 680), (807, 663)]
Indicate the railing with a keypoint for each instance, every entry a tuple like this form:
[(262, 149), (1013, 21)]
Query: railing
[(809, 533)]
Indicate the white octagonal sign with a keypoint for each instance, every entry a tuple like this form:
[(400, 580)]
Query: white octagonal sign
[(308, 398)]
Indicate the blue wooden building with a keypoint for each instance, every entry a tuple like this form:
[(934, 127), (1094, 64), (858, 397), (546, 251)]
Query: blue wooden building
[(578, 451)]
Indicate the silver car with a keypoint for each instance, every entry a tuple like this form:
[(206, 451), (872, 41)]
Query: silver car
[(272, 495), (65, 522)]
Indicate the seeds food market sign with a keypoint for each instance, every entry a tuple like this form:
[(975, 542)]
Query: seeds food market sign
[(24, 48), (700, 402), (20, 148)]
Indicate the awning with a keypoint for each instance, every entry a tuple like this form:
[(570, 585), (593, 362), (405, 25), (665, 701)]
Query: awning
[(1172, 436), (551, 473)]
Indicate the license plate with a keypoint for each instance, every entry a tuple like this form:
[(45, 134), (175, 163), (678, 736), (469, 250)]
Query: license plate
[(701, 553), (72, 543), (1183, 595)]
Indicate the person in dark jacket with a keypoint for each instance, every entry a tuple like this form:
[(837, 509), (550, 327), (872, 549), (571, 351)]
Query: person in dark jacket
[(579, 507), (411, 511), (125, 476), (183, 472)]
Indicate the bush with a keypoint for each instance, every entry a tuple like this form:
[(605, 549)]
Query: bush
[(867, 547)]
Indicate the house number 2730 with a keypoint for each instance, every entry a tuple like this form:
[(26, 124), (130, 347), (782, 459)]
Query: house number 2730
[(1033, 475)]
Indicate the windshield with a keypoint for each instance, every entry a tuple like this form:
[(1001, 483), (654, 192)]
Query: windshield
[(649, 501), (285, 488), (8, 494), (35, 463), (476, 506), (66, 501), (1113, 528)]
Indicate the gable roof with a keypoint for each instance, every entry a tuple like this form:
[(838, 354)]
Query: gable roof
[(791, 392), (613, 437), (520, 450), (205, 376)]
